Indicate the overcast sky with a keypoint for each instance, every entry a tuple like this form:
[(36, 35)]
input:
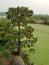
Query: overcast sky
[(38, 6)]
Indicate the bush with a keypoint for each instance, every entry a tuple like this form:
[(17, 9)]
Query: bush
[(5, 53)]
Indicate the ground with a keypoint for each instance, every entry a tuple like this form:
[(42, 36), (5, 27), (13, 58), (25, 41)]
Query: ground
[(6, 60), (41, 56)]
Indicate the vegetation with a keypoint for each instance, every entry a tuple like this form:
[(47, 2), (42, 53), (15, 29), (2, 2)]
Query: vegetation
[(16, 32), (4, 52), (41, 56), (0, 63), (20, 18), (44, 19)]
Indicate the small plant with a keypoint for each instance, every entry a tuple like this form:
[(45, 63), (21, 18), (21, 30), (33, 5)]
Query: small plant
[(2, 48), (5, 53), (0, 63)]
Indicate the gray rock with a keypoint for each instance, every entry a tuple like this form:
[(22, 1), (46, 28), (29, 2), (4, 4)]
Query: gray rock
[(17, 61)]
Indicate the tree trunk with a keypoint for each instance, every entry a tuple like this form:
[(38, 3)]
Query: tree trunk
[(19, 44)]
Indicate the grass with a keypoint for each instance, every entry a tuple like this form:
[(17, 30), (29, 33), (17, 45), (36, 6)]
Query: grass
[(41, 56)]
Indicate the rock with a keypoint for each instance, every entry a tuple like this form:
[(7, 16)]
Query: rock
[(18, 61)]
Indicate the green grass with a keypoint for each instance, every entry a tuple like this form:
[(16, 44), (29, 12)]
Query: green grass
[(41, 56)]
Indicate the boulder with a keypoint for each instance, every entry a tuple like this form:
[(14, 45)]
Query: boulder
[(18, 61)]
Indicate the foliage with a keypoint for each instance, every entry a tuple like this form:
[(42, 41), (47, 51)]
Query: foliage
[(7, 38), (4, 52), (4, 25), (0, 63), (20, 18)]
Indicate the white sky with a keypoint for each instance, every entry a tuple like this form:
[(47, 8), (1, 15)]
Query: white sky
[(38, 6)]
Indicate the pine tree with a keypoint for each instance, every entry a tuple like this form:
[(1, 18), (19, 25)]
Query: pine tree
[(20, 19)]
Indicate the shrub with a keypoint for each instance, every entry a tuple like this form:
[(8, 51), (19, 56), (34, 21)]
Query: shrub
[(5, 53)]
